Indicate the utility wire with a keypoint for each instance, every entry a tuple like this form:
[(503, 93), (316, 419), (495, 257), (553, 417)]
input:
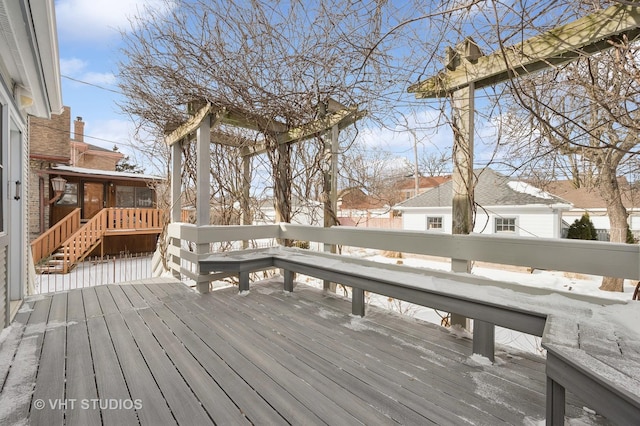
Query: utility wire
[(91, 84)]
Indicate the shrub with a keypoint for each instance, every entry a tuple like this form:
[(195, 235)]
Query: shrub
[(582, 229)]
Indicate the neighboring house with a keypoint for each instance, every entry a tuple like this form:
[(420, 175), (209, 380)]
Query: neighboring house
[(303, 212), (588, 200), (503, 206), (355, 203), (407, 186), (89, 184), (29, 87)]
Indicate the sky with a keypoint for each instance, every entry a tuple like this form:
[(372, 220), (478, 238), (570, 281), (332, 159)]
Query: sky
[(89, 42)]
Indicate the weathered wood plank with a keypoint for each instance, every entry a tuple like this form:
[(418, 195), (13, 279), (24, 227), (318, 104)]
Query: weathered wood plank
[(120, 299), (8, 349), (140, 381), (297, 360), (279, 398), (50, 381), (17, 392), (136, 300), (244, 396), (109, 377), (80, 377), (91, 304), (183, 404), (426, 397), (213, 398), (107, 304)]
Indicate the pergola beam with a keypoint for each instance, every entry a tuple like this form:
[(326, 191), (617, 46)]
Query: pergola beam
[(188, 127), (585, 36)]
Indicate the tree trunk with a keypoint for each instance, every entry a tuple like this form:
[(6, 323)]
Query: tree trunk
[(617, 213)]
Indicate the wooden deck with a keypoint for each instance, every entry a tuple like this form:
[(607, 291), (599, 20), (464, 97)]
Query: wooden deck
[(156, 353)]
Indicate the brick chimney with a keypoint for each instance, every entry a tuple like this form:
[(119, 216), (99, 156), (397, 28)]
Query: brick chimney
[(78, 130)]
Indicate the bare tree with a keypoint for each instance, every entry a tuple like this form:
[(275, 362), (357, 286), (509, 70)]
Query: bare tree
[(583, 119)]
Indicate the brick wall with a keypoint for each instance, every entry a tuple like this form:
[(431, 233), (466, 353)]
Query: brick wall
[(100, 162), (34, 221), (50, 137)]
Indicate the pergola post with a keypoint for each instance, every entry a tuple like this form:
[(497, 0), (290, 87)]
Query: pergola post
[(203, 190), (176, 200), (462, 177), (245, 213), (331, 192)]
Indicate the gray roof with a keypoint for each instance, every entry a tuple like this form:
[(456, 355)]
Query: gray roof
[(492, 189)]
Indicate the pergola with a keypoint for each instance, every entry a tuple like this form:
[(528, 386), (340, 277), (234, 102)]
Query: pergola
[(201, 128), (467, 69)]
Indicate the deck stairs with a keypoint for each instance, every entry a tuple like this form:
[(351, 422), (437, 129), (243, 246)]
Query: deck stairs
[(86, 238)]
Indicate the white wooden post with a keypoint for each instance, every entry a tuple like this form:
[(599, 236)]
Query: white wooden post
[(245, 214), (176, 200), (331, 205), (203, 189)]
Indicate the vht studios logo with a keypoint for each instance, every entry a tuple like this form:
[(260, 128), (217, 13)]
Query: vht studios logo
[(88, 404)]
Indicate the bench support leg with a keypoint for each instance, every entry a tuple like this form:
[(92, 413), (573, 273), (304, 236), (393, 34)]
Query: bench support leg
[(288, 280), (484, 339), (357, 301), (244, 281), (555, 403)]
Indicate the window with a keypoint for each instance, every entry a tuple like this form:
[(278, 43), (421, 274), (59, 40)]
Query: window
[(506, 224), (434, 223), (70, 195), (131, 196)]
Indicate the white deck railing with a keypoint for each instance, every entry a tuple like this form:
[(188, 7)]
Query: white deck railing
[(190, 243)]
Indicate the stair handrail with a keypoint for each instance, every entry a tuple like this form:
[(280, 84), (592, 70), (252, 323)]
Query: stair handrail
[(76, 247), (54, 237)]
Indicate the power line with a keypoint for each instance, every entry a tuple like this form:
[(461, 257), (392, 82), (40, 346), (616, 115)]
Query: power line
[(68, 132), (91, 84)]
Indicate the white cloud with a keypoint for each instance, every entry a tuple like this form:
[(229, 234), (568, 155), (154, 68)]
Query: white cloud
[(91, 20), (72, 66), (99, 78)]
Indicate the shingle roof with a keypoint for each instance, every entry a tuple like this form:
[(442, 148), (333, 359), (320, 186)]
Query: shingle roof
[(590, 198), (492, 189)]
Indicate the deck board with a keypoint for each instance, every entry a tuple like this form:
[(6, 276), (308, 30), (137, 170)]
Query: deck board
[(265, 358)]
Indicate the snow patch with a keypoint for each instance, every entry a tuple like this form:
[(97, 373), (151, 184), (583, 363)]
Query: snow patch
[(460, 332), (243, 293), (5, 332), (326, 314), (25, 308), (525, 188), (359, 323), (264, 290), (57, 324), (477, 360)]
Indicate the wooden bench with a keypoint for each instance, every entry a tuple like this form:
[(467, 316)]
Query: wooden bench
[(580, 357), (598, 363)]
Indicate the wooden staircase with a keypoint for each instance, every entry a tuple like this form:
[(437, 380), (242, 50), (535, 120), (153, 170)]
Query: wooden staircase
[(76, 247)]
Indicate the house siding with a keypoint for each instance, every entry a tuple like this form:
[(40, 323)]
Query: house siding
[(529, 224)]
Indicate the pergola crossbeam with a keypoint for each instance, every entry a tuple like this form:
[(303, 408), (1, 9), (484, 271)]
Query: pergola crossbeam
[(585, 36)]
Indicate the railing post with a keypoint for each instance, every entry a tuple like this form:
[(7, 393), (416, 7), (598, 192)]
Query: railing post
[(483, 339), (555, 403), (357, 301), (288, 280)]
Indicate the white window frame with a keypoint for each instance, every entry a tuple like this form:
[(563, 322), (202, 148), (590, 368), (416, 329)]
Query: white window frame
[(441, 220), (503, 225)]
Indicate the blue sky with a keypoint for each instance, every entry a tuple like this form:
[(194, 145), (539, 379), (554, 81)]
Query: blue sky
[(89, 43)]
